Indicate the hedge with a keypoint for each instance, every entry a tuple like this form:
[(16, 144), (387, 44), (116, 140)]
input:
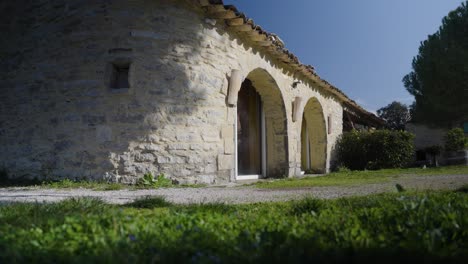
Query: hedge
[(359, 150), (455, 140)]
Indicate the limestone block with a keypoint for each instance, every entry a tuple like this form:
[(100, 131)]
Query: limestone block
[(63, 145), (163, 159), (206, 179), (235, 82), (142, 168), (148, 34), (145, 157), (103, 134), (225, 162), (227, 131), (229, 146), (231, 115), (210, 168), (210, 136), (178, 146), (150, 147), (297, 109), (215, 114), (196, 147), (93, 120), (153, 138), (187, 136), (194, 159)]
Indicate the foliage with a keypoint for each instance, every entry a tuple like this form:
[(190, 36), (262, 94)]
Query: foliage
[(156, 182), (343, 169), (358, 150), (352, 149), (395, 114), (150, 202), (401, 226), (72, 184), (438, 80), (455, 140), (92, 185), (344, 178), (400, 188), (463, 189)]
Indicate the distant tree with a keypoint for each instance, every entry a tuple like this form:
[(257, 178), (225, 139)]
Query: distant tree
[(439, 80), (395, 114)]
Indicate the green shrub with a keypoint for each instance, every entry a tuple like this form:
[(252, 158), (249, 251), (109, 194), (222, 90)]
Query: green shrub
[(352, 150), (358, 150), (455, 140), (149, 180)]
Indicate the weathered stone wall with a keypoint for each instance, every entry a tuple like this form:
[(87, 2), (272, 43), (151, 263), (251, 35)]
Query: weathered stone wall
[(426, 136), (60, 118)]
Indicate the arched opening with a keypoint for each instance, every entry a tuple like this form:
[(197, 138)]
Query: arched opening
[(313, 138), (262, 138)]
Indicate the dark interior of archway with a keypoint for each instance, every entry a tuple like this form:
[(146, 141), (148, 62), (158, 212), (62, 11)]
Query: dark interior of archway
[(249, 144), (313, 139), (305, 147)]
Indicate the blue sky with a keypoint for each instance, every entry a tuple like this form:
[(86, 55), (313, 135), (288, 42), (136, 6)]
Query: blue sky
[(364, 47)]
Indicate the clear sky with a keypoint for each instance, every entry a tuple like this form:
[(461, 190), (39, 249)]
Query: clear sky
[(363, 47)]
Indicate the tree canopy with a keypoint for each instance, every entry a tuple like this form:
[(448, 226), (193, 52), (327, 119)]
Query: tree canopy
[(395, 114), (439, 80)]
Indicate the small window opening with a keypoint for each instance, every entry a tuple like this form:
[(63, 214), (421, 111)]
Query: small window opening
[(119, 77), (329, 121)]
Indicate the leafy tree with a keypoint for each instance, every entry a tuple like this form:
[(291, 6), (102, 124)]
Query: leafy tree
[(439, 79), (395, 114)]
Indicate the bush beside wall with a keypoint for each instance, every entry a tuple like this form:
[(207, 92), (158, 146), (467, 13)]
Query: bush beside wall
[(455, 140), (359, 150)]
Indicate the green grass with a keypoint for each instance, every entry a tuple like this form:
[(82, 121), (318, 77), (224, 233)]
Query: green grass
[(149, 202), (361, 177), (70, 184), (426, 226), (92, 185)]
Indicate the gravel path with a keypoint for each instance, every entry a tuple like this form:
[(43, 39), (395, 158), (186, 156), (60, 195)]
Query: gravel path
[(232, 194)]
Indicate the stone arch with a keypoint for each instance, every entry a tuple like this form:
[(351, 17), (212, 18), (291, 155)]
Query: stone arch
[(275, 141), (313, 138)]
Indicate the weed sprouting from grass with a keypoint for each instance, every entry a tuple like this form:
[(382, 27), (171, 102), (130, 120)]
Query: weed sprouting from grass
[(148, 180)]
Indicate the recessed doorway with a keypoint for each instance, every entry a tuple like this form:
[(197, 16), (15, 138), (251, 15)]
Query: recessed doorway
[(251, 153), (262, 138)]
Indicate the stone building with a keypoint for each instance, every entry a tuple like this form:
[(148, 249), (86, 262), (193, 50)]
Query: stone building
[(111, 90), (427, 137)]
